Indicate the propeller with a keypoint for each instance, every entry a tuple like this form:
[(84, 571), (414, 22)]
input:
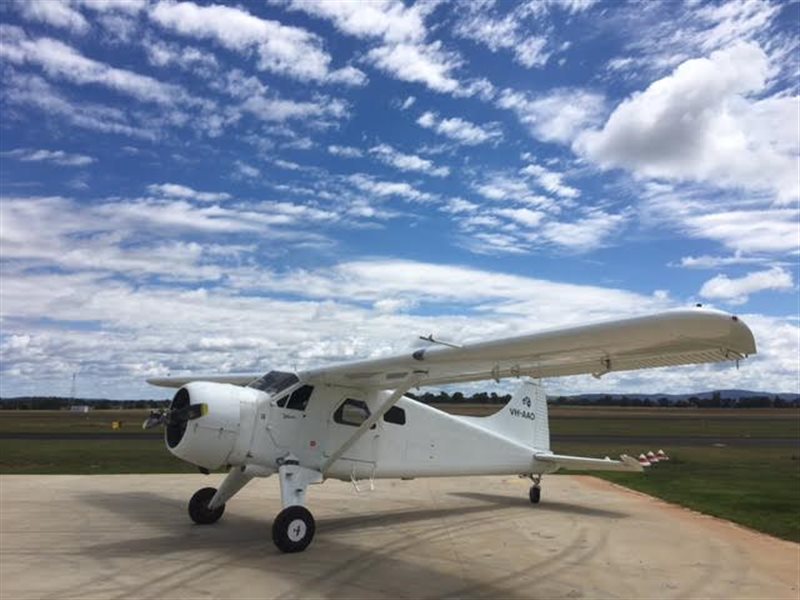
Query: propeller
[(174, 416), (155, 418)]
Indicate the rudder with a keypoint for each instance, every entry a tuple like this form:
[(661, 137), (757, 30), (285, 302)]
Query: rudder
[(524, 419)]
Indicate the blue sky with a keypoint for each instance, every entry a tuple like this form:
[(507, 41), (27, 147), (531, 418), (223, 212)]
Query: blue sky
[(204, 187)]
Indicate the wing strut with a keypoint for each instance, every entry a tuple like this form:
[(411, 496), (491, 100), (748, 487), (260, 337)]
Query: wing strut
[(373, 418)]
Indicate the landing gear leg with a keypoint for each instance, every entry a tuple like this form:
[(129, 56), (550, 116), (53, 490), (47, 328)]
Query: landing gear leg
[(535, 493), (294, 527), (208, 504)]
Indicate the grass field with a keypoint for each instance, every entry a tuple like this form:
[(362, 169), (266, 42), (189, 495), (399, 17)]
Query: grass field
[(757, 486)]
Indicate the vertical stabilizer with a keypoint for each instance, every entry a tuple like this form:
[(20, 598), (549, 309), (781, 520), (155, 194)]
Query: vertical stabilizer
[(524, 419)]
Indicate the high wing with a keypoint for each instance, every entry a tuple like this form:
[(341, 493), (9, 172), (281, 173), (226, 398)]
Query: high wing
[(666, 339)]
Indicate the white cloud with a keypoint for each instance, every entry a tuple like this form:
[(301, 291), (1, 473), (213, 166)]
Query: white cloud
[(408, 103), (713, 262), (767, 230), (551, 181), (174, 190), (524, 216), (389, 20), (737, 291), (501, 186), (164, 54), (31, 91), (281, 49), (459, 205), (346, 151), (246, 171), (386, 189), (428, 64), (700, 123), (557, 116), (461, 130), (403, 51), (506, 33), (57, 157), (57, 13), (282, 109), (62, 61), (407, 162), (588, 233), (688, 31)]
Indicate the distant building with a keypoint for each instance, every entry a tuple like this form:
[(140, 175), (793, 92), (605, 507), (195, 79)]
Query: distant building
[(81, 408)]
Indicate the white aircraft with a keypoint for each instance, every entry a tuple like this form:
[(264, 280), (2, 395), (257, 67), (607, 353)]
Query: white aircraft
[(353, 421)]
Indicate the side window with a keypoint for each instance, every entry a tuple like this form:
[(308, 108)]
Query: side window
[(299, 398), (282, 401), (351, 412), (395, 415)]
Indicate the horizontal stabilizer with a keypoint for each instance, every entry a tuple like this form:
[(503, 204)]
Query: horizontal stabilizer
[(625, 462), (181, 380)]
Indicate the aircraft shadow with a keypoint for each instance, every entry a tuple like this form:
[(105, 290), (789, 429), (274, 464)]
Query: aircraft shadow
[(333, 566), (546, 505)]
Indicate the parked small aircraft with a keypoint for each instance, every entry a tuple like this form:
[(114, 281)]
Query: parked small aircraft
[(353, 421)]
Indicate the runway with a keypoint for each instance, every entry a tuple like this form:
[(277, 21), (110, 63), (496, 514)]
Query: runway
[(128, 536)]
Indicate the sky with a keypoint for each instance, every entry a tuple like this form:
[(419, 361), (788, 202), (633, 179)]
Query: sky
[(213, 188)]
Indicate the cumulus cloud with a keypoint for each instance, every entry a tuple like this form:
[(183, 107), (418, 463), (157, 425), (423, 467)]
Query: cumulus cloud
[(281, 49), (703, 123), (460, 130), (738, 290)]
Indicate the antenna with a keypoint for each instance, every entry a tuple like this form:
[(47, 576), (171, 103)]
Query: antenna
[(433, 340)]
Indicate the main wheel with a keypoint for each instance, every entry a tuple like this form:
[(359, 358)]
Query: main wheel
[(535, 494), (293, 529), (198, 507)]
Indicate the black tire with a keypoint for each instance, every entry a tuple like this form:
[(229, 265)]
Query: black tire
[(293, 529), (535, 494), (198, 507)]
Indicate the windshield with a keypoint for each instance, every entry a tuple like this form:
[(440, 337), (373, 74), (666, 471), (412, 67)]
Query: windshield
[(274, 382)]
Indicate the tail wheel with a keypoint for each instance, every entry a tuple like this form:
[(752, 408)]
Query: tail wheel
[(535, 494), (199, 510), (293, 529)]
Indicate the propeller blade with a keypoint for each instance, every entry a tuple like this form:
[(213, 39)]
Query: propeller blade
[(154, 420)]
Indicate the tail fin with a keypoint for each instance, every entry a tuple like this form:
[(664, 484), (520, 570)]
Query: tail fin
[(524, 419)]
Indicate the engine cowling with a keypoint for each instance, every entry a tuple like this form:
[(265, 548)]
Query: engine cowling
[(210, 424)]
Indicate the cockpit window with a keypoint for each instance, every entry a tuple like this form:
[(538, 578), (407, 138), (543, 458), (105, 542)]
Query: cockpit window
[(274, 382)]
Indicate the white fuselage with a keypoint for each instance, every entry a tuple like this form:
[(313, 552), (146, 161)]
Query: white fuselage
[(413, 440)]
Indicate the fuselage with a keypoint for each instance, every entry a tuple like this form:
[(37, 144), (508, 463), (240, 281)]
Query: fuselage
[(410, 440)]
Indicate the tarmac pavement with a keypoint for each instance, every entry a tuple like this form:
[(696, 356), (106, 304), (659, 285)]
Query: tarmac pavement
[(129, 536)]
